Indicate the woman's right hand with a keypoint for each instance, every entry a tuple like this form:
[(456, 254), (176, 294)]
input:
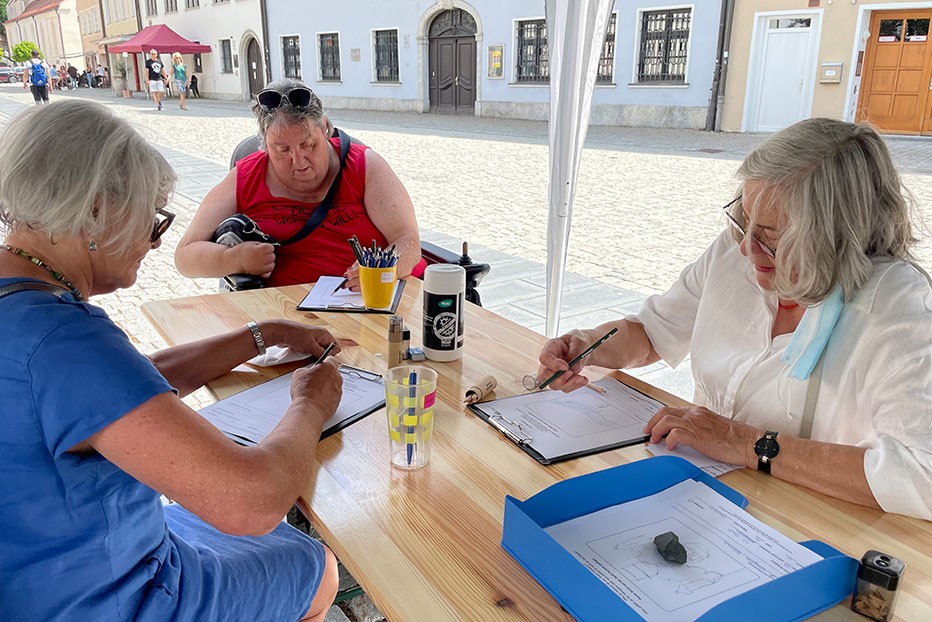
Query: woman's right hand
[(556, 355), (321, 386), (253, 258)]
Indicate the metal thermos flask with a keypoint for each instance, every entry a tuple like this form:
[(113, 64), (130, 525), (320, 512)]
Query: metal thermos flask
[(444, 315)]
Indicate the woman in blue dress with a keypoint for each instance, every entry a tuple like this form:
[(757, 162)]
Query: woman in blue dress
[(94, 431)]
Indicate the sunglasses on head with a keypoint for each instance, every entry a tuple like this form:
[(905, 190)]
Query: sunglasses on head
[(163, 220), (297, 97)]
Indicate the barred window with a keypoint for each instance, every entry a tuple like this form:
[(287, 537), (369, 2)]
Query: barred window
[(151, 9), (226, 56), (329, 45), (291, 57), (171, 6), (606, 71), (533, 56), (192, 4), (664, 41), (386, 55)]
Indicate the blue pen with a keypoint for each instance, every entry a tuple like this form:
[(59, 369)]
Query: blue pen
[(412, 393)]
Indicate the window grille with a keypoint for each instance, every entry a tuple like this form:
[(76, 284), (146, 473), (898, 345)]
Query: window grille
[(226, 56), (663, 49), (192, 4), (533, 56), (291, 57), (606, 71), (151, 9), (171, 6), (329, 45), (386, 56)]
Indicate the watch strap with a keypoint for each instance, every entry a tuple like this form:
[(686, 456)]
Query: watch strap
[(257, 336)]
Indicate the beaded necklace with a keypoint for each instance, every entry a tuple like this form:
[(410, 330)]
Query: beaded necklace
[(58, 276)]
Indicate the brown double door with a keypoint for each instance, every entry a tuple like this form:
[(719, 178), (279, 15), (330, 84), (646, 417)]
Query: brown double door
[(896, 87), (453, 74), (254, 62)]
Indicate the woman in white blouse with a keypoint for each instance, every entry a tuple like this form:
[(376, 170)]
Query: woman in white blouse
[(808, 328)]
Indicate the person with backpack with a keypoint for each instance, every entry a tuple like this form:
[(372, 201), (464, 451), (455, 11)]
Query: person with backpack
[(36, 78)]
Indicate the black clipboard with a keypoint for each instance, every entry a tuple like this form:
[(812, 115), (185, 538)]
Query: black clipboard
[(524, 439), (352, 308), (331, 429)]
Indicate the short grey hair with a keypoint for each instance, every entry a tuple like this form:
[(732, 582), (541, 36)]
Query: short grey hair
[(842, 204), (287, 115), (110, 179)]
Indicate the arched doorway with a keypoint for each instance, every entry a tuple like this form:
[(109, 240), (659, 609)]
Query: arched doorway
[(452, 62), (254, 67)]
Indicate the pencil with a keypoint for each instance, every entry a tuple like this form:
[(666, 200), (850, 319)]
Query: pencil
[(579, 357), (341, 285), (597, 388)]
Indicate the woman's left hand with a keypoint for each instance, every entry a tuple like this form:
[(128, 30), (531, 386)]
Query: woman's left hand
[(310, 340), (715, 436)]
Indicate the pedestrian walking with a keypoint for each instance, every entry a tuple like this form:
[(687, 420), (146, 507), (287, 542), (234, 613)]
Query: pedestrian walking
[(157, 77), (180, 76), (36, 78)]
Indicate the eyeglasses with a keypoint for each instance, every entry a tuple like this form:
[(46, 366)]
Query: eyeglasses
[(299, 97), (163, 220), (770, 252)]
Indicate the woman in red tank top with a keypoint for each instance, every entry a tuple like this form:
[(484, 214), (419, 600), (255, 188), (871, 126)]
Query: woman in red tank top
[(282, 185)]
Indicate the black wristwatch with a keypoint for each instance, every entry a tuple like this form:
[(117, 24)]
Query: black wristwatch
[(767, 448)]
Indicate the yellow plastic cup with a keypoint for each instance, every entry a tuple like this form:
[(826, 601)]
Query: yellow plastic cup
[(377, 286)]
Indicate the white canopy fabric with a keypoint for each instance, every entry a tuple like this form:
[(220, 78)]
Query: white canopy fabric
[(575, 32)]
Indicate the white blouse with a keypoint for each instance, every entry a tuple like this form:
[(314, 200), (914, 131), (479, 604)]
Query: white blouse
[(876, 382)]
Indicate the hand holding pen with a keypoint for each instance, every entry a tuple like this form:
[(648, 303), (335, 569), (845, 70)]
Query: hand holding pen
[(553, 360)]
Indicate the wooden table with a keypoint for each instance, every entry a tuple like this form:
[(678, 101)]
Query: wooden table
[(426, 545)]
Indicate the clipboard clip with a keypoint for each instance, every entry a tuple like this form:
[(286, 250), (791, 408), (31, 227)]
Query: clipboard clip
[(502, 425), (362, 374)]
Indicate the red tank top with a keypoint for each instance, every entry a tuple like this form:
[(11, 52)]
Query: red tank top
[(325, 252)]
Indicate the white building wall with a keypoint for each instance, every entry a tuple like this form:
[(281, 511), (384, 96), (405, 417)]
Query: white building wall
[(618, 103), (58, 35), (238, 21)]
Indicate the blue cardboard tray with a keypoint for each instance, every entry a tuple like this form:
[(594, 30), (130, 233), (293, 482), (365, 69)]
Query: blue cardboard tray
[(812, 589)]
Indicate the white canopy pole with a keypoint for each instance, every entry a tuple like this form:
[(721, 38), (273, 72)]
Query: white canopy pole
[(575, 32)]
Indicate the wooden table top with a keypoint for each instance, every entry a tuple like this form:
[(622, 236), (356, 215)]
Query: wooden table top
[(425, 545)]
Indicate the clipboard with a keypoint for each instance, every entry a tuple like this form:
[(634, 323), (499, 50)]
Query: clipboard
[(248, 416), (320, 298), (616, 419)]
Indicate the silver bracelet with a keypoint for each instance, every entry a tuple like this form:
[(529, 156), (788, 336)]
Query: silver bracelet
[(257, 335)]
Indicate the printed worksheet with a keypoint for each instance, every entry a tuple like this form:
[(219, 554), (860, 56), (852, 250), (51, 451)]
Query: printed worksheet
[(728, 551), (250, 415), (322, 295), (710, 466)]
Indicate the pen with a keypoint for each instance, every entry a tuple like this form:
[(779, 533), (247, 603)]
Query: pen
[(580, 357), (412, 393), (321, 358), (341, 285)]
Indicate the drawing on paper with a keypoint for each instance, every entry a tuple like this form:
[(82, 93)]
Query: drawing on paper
[(631, 555)]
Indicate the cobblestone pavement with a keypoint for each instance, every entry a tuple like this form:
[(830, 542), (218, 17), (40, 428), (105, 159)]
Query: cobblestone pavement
[(646, 204)]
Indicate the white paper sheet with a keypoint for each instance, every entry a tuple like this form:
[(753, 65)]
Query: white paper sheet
[(250, 415), (728, 551), (710, 466), (556, 424), (321, 295)]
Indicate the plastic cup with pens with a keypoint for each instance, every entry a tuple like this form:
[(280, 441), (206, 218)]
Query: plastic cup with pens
[(410, 394)]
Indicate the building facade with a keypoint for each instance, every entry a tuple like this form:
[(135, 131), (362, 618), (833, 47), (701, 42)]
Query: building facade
[(235, 69), (490, 58), (91, 28), (50, 24), (857, 61)]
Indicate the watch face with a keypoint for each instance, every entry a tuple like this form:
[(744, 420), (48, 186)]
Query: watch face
[(767, 447)]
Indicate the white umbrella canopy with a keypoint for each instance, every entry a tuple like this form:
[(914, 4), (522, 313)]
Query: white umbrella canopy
[(575, 32)]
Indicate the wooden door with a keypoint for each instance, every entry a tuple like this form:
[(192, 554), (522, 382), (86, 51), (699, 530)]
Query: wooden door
[(254, 67), (895, 88), (453, 74)]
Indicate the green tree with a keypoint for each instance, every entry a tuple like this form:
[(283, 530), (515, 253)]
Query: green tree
[(3, 17), (22, 51)]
